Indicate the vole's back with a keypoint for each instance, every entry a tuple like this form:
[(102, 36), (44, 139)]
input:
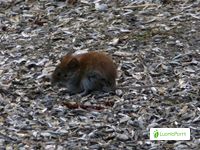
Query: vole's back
[(99, 63)]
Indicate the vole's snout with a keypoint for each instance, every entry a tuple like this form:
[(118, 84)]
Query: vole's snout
[(54, 80)]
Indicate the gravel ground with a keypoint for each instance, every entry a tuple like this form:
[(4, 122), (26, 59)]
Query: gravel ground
[(152, 43)]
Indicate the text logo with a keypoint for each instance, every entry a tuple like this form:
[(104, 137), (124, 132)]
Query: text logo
[(170, 134)]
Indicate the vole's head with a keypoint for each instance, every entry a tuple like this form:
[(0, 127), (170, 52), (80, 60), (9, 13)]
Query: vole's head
[(66, 71)]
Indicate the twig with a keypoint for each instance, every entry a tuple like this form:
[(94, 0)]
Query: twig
[(140, 6)]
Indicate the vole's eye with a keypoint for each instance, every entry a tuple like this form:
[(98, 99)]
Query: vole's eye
[(59, 74)]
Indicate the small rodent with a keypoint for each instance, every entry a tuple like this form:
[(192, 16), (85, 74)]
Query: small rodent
[(86, 73)]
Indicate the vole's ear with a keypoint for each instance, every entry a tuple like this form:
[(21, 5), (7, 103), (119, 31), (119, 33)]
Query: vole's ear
[(73, 63), (66, 57), (70, 52)]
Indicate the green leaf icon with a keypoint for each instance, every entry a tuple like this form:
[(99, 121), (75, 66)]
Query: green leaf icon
[(155, 134)]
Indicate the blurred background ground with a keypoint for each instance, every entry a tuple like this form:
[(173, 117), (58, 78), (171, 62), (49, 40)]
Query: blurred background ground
[(153, 42)]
